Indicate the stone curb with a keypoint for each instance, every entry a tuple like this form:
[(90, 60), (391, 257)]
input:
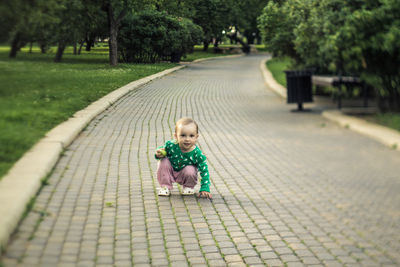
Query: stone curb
[(270, 81), (379, 133), (24, 179)]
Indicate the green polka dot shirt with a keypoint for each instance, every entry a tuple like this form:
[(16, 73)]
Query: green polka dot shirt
[(179, 160)]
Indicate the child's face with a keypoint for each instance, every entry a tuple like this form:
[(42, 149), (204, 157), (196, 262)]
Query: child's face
[(186, 135)]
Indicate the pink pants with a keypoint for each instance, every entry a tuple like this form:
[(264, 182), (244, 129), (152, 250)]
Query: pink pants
[(166, 175)]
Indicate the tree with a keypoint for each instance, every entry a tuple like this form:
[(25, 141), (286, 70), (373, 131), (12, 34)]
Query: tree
[(376, 31), (70, 28), (116, 10), (277, 23), (23, 19), (340, 37), (215, 16), (206, 15), (94, 24), (177, 8), (250, 10)]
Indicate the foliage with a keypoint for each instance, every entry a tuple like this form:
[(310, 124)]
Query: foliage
[(72, 22), (208, 17), (277, 24), (176, 8), (25, 21), (340, 37), (250, 11), (152, 36), (377, 28), (70, 27)]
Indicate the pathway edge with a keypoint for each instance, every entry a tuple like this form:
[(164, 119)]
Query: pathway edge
[(24, 179), (384, 135)]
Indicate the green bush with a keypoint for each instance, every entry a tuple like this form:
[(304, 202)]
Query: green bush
[(152, 36), (340, 37)]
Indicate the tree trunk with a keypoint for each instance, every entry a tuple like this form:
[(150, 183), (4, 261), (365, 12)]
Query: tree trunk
[(205, 45), (113, 26), (30, 47), (80, 47), (43, 47), (14, 46), (216, 42), (245, 46), (75, 49), (250, 39), (113, 46), (89, 43), (60, 51)]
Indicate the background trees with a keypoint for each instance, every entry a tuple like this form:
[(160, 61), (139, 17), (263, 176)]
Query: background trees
[(340, 37), (25, 21), (75, 22)]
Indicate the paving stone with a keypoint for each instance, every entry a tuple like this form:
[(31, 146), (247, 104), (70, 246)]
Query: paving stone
[(253, 261), (83, 263), (283, 251), (269, 255), (122, 263), (248, 253), (282, 192), (216, 263), (229, 251), (295, 264), (274, 262), (144, 259), (226, 244), (288, 258), (156, 262), (210, 249), (182, 263), (233, 258), (196, 260), (310, 260), (244, 246), (236, 264)]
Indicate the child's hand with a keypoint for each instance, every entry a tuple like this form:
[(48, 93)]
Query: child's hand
[(205, 194), (161, 153)]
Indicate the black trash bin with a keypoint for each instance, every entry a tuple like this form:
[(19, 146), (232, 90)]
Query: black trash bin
[(299, 87)]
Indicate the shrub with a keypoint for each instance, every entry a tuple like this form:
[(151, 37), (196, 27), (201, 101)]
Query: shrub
[(340, 37), (152, 36)]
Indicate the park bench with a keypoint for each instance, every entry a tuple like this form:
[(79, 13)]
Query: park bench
[(338, 81)]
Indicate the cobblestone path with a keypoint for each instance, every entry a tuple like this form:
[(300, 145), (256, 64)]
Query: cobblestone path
[(289, 188)]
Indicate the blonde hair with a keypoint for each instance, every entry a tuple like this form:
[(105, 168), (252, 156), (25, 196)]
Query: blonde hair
[(186, 121)]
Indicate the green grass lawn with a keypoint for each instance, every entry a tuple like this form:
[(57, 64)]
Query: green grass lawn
[(37, 94), (276, 66), (389, 119)]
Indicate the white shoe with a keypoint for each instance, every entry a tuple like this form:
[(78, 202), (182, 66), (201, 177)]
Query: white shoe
[(187, 191), (163, 191)]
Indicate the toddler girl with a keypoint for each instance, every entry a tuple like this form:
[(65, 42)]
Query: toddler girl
[(181, 159)]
